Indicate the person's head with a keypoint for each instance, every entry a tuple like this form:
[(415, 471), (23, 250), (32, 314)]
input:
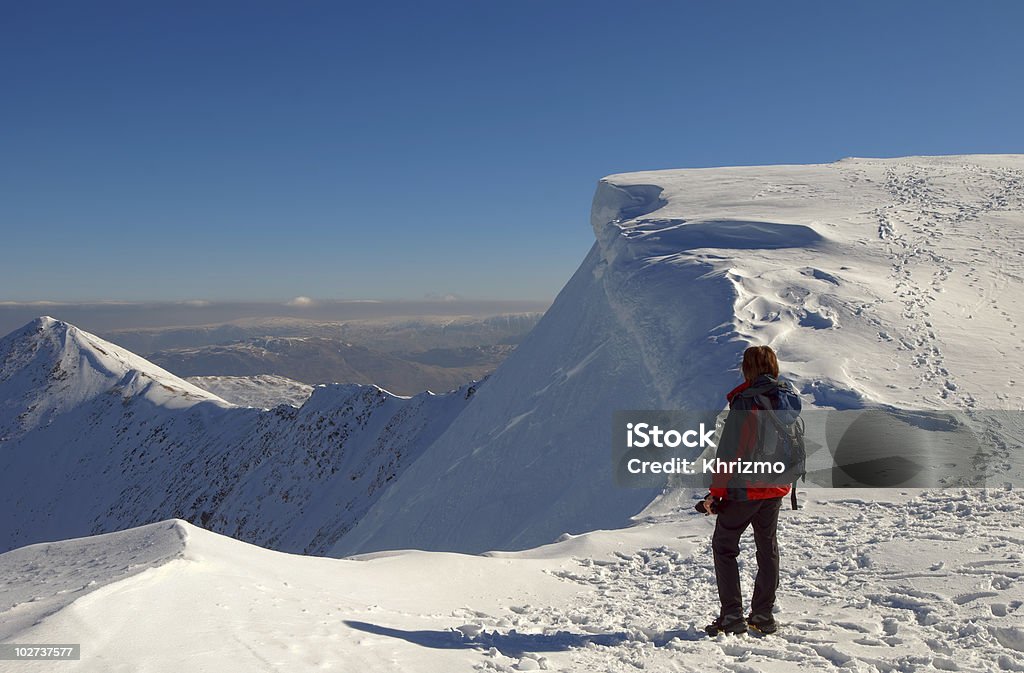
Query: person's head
[(759, 360)]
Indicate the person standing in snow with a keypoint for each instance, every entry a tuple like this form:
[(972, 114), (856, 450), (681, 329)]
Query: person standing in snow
[(740, 502)]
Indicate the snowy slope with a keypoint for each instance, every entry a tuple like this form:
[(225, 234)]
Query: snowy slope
[(880, 282), (909, 583), (49, 367), (263, 391), (913, 265), (97, 439)]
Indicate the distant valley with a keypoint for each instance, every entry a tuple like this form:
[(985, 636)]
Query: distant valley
[(315, 360)]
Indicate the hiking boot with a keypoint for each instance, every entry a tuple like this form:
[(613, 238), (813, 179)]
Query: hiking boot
[(733, 626), (762, 624)]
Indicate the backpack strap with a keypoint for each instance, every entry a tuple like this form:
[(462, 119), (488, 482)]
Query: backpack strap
[(792, 496), (766, 405), (760, 390)]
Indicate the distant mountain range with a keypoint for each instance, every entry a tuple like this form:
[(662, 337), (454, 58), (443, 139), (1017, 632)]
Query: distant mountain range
[(315, 360), (409, 334)]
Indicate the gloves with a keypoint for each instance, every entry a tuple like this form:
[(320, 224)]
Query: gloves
[(708, 505)]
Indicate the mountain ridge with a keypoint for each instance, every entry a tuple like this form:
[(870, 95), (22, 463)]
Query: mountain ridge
[(106, 440), (75, 367)]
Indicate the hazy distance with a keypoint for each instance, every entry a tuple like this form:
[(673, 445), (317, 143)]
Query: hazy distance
[(105, 317)]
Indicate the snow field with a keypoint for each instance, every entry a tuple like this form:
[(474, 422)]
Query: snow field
[(872, 581), (264, 391)]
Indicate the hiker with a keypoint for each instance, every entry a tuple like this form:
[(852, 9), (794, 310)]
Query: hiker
[(740, 502)]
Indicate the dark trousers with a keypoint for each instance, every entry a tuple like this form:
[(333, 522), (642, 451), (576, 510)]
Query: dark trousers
[(733, 518)]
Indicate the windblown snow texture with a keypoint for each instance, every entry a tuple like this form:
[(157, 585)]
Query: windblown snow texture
[(263, 391)]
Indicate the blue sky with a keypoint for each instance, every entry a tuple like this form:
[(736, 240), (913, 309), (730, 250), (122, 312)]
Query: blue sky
[(263, 150)]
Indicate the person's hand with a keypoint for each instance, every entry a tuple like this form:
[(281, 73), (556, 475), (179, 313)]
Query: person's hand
[(709, 502)]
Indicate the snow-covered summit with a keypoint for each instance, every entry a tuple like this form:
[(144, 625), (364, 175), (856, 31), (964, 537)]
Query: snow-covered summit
[(49, 366), (880, 282)]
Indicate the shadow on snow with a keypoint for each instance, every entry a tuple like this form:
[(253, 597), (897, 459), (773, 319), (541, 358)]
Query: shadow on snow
[(512, 644)]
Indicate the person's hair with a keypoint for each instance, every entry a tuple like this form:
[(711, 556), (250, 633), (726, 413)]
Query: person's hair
[(759, 360)]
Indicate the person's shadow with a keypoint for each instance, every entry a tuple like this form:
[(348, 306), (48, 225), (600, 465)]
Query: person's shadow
[(513, 643)]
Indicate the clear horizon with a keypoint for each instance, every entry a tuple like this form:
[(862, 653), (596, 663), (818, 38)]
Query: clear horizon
[(233, 152), (105, 317)]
